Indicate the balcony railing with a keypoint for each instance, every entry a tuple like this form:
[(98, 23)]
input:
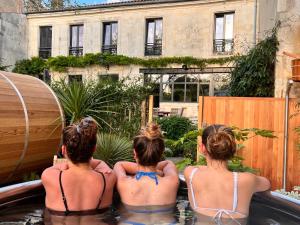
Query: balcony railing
[(112, 49), (44, 53), (153, 49), (76, 51), (223, 45)]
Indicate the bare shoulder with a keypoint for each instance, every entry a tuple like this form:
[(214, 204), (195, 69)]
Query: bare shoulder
[(188, 170), (257, 183), (171, 180), (247, 178), (49, 175), (124, 180)]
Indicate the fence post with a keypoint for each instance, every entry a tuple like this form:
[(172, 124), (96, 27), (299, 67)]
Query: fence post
[(200, 121), (150, 118), (143, 113)]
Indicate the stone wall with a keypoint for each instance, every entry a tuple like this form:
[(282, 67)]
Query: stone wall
[(13, 39), (288, 11)]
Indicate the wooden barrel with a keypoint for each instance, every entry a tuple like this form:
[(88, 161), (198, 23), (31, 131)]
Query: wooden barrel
[(296, 69), (31, 121)]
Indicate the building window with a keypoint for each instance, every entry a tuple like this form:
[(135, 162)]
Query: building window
[(45, 42), (75, 78), (180, 87), (76, 40), (223, 40), (110, 37), (154, 32), (109, 77)]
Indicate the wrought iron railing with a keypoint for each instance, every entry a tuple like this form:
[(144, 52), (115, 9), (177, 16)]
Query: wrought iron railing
[(76, 51), (44, 53), (153, 49), (223, 45), (112, 49)]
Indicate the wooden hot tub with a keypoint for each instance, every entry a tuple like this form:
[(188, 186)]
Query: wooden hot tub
[(31, 121)]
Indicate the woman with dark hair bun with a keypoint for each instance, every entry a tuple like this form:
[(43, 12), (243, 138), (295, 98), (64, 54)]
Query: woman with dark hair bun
[(215, 193), (82, 185), (149, 181)]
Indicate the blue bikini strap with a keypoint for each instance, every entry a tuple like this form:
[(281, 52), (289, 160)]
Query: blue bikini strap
[(151, 175)]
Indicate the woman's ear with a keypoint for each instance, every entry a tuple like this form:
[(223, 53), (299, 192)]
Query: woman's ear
[(135, 155), (203, 149), (64, 151), (94, 149)]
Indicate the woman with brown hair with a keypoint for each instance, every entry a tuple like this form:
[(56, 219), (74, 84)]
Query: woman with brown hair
[(82, 185), (216, 193), (149, 181)]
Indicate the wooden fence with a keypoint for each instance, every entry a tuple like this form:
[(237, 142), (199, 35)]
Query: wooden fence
[(265, 113)]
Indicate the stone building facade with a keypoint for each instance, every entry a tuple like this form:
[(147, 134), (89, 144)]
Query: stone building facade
[(198, 28), (13, 28)]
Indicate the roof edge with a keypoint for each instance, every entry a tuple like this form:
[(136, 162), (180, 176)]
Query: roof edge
[(111, 5)]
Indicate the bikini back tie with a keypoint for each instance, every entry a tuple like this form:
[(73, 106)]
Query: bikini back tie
[(152, 175)]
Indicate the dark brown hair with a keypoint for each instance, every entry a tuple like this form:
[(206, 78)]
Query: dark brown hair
[(149, 145), (219, 142), (80, 140)]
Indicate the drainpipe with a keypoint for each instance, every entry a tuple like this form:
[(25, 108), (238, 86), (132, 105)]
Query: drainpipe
[(286, 127), (254, 23)]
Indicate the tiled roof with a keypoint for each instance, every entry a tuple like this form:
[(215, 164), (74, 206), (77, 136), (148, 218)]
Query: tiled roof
[(112, 5)]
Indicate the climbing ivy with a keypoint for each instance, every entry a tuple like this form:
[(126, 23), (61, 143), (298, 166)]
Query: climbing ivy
[(254, 73), (62, 63), (34, 66)]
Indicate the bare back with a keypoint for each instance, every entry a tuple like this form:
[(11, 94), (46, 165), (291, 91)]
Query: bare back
[(82, 189), (145, 191), (215, 190)]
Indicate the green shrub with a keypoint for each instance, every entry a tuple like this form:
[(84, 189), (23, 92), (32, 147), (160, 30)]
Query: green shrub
[(254, 73), (31, 176), (175, 126), (80, 100), (112, 148), (34, 66)]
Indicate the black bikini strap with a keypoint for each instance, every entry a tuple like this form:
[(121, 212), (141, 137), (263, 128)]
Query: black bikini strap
[(104, 187), (63, 194)]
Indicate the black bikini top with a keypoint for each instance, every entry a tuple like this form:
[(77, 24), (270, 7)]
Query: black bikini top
[(79, 212)]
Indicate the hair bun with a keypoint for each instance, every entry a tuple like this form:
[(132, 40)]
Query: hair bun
[(87, 127), (152, 131)]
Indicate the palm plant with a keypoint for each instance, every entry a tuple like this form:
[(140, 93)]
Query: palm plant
[(112, 148), (84, 99)]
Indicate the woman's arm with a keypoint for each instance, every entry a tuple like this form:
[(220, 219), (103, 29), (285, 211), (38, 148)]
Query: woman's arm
[(100, 166), (123, 168), (262, 184), (167, 167)]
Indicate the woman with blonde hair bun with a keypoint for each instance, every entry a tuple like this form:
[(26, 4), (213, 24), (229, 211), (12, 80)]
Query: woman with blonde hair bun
[(218, 195), (150, 180)]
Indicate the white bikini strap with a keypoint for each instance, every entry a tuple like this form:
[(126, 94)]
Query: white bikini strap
[(235, 191), (218, 217), (191, 186)]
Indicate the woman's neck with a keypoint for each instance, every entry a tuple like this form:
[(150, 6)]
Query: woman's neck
[(216, 164), (79, 166), (146, 168)]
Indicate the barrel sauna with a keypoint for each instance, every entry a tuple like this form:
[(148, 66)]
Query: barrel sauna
[(296, 70), (31, 121)]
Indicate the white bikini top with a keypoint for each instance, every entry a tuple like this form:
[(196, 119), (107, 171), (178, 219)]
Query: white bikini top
[(219, 212)]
